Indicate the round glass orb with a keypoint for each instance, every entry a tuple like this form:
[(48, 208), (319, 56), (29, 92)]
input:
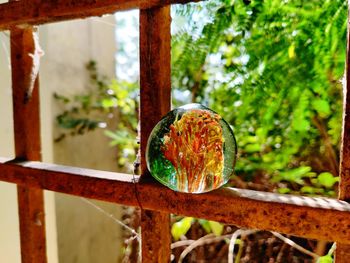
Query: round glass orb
[(191, 149)]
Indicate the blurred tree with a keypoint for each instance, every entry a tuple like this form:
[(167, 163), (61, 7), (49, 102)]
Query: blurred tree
[(273, 69)]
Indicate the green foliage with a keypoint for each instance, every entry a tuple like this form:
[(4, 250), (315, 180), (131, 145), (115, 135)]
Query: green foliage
[(181, 227), (211, 226), (325, 259), (309, 182), (294, 175), (272, 69), (103, 100), (205, 225), (216, 228), (327, 179)]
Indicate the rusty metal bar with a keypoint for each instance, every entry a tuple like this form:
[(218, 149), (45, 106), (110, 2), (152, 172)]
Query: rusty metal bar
[(155, 102), (342, 253), (309, 217), (25, 94), (48, 11), (106, 186)]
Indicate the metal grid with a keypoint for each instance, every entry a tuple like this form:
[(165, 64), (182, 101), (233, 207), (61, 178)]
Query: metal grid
[(317, 218)]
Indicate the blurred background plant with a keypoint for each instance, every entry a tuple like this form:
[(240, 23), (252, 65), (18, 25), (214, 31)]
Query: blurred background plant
[(273, 69), (89, 111)]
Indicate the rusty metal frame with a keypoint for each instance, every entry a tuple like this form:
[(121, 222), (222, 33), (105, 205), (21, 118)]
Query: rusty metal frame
[(26, 116), (155, 99), (38, 12), (309, 217), (317, 218)]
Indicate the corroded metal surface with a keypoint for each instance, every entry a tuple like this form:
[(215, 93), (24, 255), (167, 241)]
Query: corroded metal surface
[(32, 224), (309, 217), (47, 11), (154, 103), (107, 186), (342, 253), (25, 93), (344, 185), (155, 228)]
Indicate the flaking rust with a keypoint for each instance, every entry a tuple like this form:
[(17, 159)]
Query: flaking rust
[(25, 54), (31, 60)]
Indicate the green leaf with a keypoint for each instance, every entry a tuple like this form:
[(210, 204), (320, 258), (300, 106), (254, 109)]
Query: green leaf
[(216, 227), (109, 103), (301, 125), (294, 175), (307, 190), (283, 190), (322, 107), (325, 259), (250, 148), (291, 51), (62, 98), (181, 227), (205, 224), (111, 134), (252, 139), (327, 179)]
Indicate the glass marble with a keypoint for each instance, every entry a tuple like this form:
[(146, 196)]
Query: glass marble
[(191, 149)]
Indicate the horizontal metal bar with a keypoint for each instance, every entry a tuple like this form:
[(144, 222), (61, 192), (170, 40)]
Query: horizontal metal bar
[(309, 217), (38, 12)]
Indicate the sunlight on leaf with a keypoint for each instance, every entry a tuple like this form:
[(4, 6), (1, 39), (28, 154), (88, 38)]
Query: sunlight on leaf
[(216, 227), (291, 51), (327, 179), (322, 107), (325, 259), (283, 190), (205, 224), (181, 227)]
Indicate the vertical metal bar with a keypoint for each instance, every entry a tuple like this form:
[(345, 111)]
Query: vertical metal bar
[(342, 253), (155, 102), (25, 95)]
